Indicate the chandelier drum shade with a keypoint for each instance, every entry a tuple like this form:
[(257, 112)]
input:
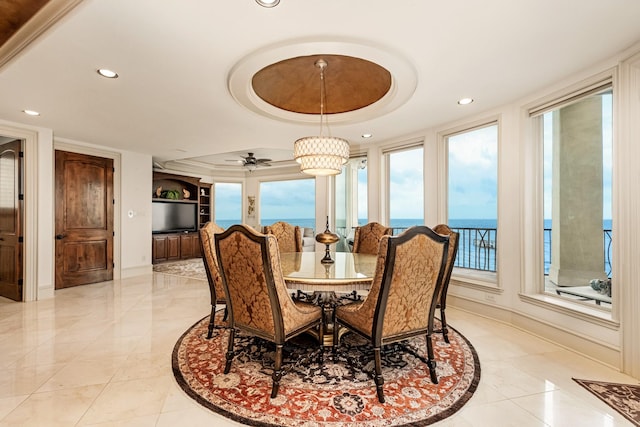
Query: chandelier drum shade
[(321, 155)]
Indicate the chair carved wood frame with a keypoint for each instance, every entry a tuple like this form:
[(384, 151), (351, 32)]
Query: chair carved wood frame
[(454, 238), (258, 299), (216, 289), (403, 296), (367, 237)]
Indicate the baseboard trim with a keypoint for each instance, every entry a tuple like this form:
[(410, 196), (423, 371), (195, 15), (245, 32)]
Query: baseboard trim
[(136, 271), (585, 346), (45, 292)]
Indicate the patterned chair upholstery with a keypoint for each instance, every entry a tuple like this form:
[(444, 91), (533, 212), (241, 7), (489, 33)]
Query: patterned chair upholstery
[(403, 296), (289, 236), (367, 238), (213, 272), (454, 237), (258, 300)]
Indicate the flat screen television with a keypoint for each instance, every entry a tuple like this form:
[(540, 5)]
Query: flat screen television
[(174, 217)]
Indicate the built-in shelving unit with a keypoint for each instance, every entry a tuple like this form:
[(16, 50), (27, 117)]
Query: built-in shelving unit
[(204, 209), (177, 191)]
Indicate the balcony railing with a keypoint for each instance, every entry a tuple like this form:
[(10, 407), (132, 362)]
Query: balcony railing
[(606, 248), (477, 248)]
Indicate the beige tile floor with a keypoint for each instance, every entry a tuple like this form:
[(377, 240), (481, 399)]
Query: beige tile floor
[(100, 355)]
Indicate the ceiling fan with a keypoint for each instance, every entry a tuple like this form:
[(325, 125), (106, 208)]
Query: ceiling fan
[(250, 162)]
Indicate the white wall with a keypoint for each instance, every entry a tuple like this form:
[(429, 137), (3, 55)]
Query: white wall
[(135, 213)]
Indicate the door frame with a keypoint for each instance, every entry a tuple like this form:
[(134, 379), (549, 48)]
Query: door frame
[(31, 138), (73, 147)]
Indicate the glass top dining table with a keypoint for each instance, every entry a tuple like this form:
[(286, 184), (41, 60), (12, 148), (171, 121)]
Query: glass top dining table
[(349, 272)]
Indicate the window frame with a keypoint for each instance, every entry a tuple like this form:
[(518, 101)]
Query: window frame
[(532, 289), (484, 280), (386, 177)]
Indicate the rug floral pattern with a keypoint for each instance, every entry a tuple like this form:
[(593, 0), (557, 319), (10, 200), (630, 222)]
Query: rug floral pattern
[(338, 393), (624, 398)]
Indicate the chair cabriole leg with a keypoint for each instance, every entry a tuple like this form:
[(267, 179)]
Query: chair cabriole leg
[(277, 371), (211, 321), (445, 330), (230, 354), (321, 337), (431, 361), (378, 378)]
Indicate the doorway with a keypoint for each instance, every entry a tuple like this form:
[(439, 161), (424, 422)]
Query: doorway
[(11, 219), (84, 217)]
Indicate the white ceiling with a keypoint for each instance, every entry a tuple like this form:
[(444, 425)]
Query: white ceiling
[(183, 66)]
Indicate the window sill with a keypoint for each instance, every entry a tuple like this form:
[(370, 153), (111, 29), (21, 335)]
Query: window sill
[(482, 280), (574, 309)]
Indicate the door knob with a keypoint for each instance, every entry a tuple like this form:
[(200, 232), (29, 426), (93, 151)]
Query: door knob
[(60, 236)]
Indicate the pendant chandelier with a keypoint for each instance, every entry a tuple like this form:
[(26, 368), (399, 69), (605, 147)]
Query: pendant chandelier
[(321, 155)]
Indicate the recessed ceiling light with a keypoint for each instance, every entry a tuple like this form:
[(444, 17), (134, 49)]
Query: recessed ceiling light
[(465, 101), (31, 112), (268, 3), (107, 73), (367, 135)]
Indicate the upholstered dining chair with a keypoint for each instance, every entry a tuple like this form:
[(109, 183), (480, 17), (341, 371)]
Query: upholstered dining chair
[(258, 300), (367, 237), (213, 272), (402, 298), (454, 238), (289, 236)]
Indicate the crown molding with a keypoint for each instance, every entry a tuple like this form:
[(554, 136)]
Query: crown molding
[(44, 19)]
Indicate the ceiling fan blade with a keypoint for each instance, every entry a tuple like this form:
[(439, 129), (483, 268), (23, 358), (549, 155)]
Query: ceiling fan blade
[(263, 160)]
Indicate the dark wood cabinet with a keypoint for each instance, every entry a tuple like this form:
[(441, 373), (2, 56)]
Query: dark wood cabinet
[(182, 190), (175, 246), (189, 245)]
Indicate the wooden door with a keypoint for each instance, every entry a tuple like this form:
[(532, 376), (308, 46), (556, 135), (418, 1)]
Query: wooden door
[(11, 220), (84, 219)]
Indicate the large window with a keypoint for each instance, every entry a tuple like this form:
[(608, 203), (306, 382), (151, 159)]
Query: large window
[(227, 203), (577, 154), (291, 201), (406, 188), (351, 200), (473, 195)]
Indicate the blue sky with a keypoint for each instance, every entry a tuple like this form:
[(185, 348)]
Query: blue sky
[(288, 199), (473, 174), (228, 201), (406, 185)]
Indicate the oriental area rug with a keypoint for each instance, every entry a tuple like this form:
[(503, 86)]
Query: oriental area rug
[(191, 268), (624, 398), (336, 393)]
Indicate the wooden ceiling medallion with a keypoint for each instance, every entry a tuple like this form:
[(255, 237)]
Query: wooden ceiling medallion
[(293, 84), (15, 14)]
